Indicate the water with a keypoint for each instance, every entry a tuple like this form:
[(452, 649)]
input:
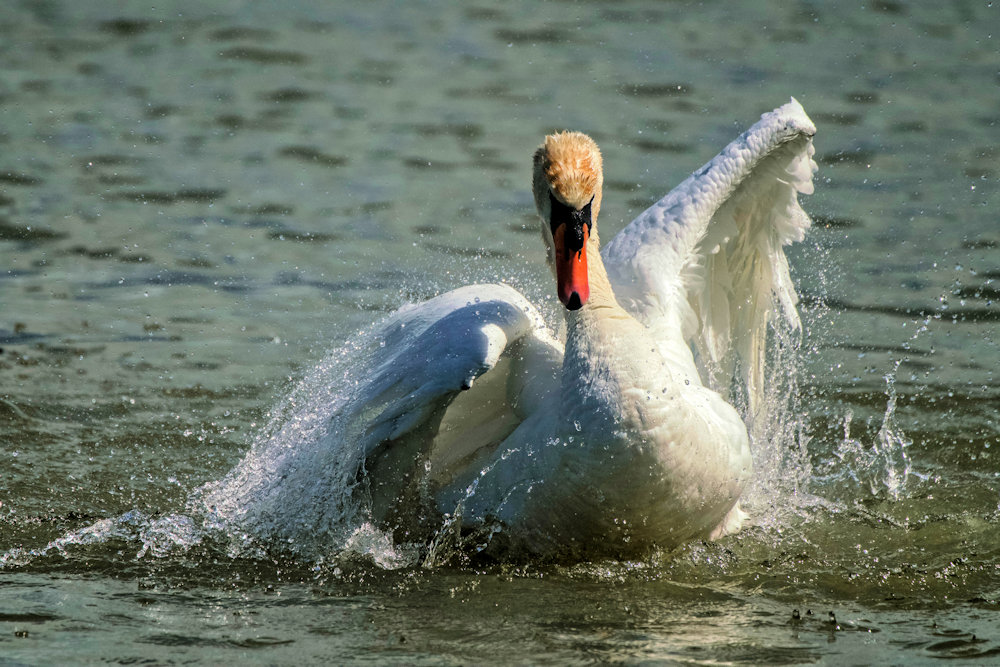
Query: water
[(199, 204)]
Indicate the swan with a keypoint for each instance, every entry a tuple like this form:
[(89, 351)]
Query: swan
[(624, 437)]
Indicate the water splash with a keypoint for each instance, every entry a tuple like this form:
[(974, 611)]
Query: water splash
[(778, 430), (779, 440), (883, 467), (297, 489), (891, 444), (300, 489), (155, 536)]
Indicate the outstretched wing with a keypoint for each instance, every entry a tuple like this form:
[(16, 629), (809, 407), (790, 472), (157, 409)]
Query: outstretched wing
[(358, 432), (455, 375), (708, 259)]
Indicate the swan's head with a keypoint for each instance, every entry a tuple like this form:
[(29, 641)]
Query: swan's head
[(567, 185)]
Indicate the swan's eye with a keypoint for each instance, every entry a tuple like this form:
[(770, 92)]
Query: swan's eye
[(574, 220)]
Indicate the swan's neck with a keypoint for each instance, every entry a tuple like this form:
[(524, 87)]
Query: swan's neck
[(602, 306), (606, 348), (601, 294)]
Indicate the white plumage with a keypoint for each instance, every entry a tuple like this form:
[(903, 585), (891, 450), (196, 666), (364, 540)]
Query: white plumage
[(707, 261), (618, 440)]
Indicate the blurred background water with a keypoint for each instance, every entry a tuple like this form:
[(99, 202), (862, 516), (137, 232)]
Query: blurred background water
[(199, 201)]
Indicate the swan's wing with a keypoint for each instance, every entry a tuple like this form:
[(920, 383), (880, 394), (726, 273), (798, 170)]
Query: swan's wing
[(708, 259), (451, 376), (358, 432)]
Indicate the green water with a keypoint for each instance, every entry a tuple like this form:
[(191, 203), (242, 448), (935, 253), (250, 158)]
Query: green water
[(200, 202)]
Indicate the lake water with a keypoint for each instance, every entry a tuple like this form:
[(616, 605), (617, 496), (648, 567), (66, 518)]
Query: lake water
[(202, 203)]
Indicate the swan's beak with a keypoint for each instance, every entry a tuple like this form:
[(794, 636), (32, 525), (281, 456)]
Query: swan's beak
[(571, 269), (570, 233)]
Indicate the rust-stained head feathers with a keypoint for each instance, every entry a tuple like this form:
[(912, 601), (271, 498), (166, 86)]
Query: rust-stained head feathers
[(571, 165), (567, 183)]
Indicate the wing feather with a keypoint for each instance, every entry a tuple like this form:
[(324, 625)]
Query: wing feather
[(352, 439), (708, 259), (427, 355)]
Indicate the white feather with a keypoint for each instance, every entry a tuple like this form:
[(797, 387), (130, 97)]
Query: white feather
[(708, 259), (467, 408)]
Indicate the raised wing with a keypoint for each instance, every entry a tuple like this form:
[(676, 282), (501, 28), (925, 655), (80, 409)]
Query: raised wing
[(415, 418), (355, 437), (435, 349), (708, 259)]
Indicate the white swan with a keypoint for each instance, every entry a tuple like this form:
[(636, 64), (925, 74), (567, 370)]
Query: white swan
[(618, 441)]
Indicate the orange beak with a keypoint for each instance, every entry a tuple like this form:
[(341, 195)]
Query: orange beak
[(571, 270)]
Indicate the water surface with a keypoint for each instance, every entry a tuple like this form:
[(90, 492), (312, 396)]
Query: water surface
[(199, 204)]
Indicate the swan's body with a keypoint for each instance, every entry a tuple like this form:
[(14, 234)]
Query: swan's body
[(622, 438), (613, 443)]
